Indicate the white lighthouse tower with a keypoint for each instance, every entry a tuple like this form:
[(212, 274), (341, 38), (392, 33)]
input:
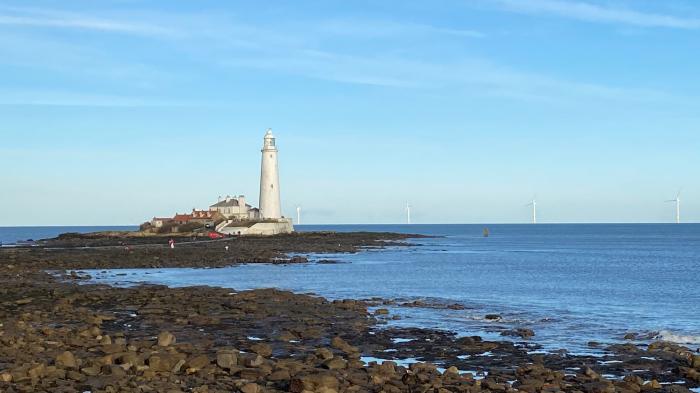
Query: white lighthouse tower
[(270, 206)]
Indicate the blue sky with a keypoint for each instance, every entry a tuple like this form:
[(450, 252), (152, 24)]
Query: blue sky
[(112, 112)]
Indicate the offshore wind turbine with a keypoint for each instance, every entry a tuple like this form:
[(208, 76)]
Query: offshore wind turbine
[(534, 210), (298, 215), (678, 206), (408, 213)]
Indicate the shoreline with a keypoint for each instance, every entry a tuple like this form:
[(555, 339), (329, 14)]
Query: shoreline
[(290, 342)]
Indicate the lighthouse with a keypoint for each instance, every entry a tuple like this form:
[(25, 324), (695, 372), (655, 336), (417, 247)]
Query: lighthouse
[(270, 207)]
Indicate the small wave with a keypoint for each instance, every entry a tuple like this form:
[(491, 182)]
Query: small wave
[(666, 335)]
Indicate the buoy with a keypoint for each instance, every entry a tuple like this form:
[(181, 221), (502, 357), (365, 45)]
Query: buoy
[(486, 232)]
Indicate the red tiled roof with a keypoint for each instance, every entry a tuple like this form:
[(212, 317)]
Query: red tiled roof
[(182, 217)]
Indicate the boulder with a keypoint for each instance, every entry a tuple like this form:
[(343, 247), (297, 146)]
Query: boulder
[(197, 363), (253, 361), (324, 353), (335, 363), (66, 360), (227, 358), (262, 349), (164, 362), (251, 388), (165, 339)]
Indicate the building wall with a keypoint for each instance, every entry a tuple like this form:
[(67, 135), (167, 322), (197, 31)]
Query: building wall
[(261, 228)]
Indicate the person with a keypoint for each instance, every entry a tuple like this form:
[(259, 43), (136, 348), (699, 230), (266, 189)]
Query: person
[(172, 243), (226, 248)]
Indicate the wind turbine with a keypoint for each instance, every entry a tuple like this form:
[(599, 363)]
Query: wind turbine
[(678, 206), (534, 210), (298, 215), (408, 213)]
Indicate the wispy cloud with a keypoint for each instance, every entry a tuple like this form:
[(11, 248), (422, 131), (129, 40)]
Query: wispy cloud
[(220, 43), (31, 17), (591, 12), (372, 28), (30, 97)]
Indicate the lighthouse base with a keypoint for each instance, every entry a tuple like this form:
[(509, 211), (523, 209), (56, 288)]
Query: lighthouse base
[(259, 228)]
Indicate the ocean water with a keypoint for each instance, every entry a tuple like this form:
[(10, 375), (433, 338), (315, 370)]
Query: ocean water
[(12, 235), (571, 284)]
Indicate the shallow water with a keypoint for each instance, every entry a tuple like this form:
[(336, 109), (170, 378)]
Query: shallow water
[(569, 283)]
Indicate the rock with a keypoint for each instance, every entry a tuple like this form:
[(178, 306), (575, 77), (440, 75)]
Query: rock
[(176, 368), (492, 317), (313, 382), (599, 387), (630, 336), (279, 375), (6, 377), (339, 343), (253, 361), (591, 374), (197, 363), (262, 349), (381, 311), (452, 370), (166, 339), (165, 362), (335, 363), (695, 361), (324, 353), (492, 385), (91, 371), (66, 360), (227, 358), (251, 388), (652, 385), (521, 332), (75, 376)]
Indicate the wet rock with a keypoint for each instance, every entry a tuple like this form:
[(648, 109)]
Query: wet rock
[(197, 363), (253, 361), (251, 388), (279, 375), (695, 361), (66, 360), (324, 353), (165, 362), (521, 332), (492, 317), (335, 363), (227, 358), (313, 382), (165, 339), (262, 349)]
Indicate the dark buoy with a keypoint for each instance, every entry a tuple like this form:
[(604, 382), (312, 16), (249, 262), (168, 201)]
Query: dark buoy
[(486, 232)]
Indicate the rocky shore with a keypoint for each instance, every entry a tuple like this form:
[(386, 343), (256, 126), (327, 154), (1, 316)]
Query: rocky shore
[(60, 335)]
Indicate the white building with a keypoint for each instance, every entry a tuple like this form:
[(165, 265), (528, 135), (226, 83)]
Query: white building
[(270, 206), (236, 209)]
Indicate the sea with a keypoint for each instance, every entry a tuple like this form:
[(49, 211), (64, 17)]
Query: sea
[(572, 284)]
